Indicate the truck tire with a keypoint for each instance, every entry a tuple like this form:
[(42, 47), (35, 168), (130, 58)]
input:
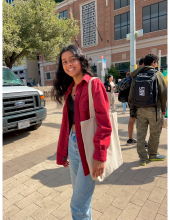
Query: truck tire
[(34, 127)]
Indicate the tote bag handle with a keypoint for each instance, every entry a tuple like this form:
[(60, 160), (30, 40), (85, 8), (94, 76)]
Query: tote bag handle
[(91, 104)]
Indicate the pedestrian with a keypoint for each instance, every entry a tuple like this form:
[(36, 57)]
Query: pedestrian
[(131, 123), (110, 88), (152, 115), (71, 85)]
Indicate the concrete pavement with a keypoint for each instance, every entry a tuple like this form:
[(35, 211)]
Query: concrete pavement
[(35, 188)]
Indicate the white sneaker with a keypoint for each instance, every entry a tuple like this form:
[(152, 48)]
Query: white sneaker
[(123, 112)]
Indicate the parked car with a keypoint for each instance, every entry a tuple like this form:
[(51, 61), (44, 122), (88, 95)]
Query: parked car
[(23, 106)]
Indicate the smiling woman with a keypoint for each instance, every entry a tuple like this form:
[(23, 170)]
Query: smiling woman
[(72, 78)]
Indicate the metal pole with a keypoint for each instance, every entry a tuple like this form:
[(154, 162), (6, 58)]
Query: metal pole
[(159, 65), (102, 72), (132, 36)]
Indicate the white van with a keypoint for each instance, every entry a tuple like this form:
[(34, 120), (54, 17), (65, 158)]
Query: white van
[(23, 106)]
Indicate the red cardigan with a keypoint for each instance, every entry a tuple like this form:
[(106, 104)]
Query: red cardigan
[(81, 108)]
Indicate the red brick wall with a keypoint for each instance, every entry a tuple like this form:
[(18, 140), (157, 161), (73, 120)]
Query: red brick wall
[(140, 53)]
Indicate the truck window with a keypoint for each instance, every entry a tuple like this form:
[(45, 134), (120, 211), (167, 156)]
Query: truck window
[(9, 78)]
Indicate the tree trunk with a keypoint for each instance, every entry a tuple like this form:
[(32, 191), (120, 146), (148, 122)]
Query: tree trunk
[(9, 61)]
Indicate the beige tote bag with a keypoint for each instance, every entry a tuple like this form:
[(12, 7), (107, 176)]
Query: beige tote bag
[(88, 129)]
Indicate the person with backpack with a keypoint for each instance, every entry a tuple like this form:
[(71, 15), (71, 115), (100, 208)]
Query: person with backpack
[(148, 99), (131, 140), (110, 88)]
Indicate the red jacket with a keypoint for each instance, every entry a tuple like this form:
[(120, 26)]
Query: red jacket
[(81, 108)]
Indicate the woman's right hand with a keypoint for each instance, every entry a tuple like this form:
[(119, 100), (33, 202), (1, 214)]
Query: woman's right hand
[(66, 163)]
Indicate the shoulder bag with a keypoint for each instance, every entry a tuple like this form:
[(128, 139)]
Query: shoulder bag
[(88, 129)]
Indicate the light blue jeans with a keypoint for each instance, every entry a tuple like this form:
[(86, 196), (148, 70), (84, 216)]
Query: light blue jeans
[(124, 106), (83, 186)]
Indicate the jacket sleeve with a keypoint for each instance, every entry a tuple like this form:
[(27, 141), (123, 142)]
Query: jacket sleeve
[(162, 91), (130, 99), (103, 134)]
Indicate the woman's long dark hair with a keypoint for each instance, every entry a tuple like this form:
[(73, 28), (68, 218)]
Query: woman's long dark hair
[(62, 80)]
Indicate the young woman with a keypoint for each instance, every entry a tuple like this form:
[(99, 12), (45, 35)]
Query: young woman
[(71, 86)]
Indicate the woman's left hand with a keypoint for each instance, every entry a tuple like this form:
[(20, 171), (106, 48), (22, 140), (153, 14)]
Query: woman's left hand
[(98, 168)]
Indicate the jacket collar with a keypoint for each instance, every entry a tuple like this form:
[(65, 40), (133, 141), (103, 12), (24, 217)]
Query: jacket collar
[(86, 78)]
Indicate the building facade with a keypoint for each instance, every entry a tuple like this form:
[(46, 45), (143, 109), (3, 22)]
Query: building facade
[(103, 28)]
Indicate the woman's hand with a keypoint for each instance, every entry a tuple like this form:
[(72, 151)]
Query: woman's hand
[(66, 163), (98, 168)]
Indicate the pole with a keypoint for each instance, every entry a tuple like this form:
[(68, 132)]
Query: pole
[(132, 36), (159, 65), (102, 72)]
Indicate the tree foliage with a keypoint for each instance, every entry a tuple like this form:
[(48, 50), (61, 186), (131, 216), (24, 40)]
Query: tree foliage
[(113, 71), (33, 27)]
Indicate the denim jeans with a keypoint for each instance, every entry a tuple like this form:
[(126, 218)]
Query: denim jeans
[(83, 186), (124, 106)]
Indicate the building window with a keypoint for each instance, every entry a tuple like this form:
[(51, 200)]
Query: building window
[(121, 3), (58, 1), (163, 61), (21, 71), (155, 17), (48, 75), (122, 25), (63, 14), (124, 66), (89, 24), (15, 72)]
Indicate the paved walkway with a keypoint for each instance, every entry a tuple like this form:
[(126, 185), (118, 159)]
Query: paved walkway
[(35, 188)]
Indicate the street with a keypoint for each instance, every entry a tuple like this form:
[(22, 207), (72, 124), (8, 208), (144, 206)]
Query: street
[(35, 188)]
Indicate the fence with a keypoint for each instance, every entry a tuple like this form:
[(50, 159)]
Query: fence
[(46, 91)]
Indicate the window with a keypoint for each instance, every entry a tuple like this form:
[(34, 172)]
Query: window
[(123, 66), (21, 71), (15, 72), (89, 24), (121, 3), (48, 75), (122, 25), (155, 17), (63, 14), (163, 61), (57, 1)]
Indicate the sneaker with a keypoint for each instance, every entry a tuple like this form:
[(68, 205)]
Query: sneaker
[(123, 112), (157, 158), (131, 142), (146, 144), (143, 162)]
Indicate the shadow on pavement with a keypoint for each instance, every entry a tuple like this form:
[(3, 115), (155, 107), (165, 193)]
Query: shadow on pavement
[(13, 136), (52, 125), (60, 176), (55, 113), (53, 157)]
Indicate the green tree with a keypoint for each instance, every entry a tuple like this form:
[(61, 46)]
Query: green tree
[(33, 27), (113, 71)]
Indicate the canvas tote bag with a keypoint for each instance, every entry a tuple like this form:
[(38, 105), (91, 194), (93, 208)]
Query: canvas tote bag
[(88, 129)]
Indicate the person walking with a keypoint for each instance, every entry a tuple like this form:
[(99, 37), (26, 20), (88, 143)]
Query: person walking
[(110, 88), (149, 116), (131, 140), (71, 86)]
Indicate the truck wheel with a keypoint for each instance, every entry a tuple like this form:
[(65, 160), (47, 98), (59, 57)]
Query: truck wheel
[(34, 127)]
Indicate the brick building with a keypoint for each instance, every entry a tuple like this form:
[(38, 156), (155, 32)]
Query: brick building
[(103, 28)]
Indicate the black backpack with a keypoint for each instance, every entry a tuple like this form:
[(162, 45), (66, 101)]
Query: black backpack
[(124, 84), (123, 95), (145, 93), (123, 88)]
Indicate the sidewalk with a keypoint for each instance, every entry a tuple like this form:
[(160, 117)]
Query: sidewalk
[(42, 189)]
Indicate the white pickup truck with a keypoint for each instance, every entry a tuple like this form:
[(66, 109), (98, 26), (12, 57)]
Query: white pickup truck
[(23, 106)]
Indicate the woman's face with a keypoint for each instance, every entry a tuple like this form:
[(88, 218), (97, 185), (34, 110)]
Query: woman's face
[(71, 64)]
